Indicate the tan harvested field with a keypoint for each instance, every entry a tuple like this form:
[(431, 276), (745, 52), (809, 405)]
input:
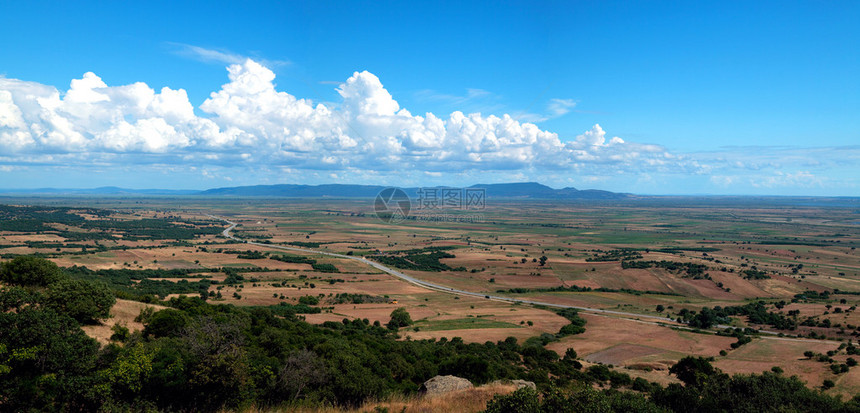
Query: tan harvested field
[(8, 236), (763, 354), (653, 343)]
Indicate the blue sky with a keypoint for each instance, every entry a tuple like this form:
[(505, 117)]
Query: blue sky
[(644, 97)]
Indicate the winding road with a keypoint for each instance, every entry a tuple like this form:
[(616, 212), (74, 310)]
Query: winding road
[(662, 321)]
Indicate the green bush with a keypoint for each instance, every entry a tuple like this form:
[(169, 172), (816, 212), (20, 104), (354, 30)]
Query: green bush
[(585, 400), (119, 333), (524, 400), (576, 326), (309, 300), (330, 268)]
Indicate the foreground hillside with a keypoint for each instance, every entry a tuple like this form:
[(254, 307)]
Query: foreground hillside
[(198, 356)]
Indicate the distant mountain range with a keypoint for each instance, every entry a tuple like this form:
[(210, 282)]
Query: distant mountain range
[(528, 190)]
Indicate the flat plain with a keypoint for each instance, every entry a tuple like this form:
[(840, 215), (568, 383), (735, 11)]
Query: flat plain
[(657, 262)]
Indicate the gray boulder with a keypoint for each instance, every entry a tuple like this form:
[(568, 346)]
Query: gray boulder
[(444, 384)]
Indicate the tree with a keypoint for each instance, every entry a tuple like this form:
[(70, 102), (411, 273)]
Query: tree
[(130, 371), (302, 369), (166, 323), (220, 374), (399, 318), (30, 271), (705, 318), (208, 335), (50, 361), (694, 371), (84, 301), (14, 298), (570, 359)]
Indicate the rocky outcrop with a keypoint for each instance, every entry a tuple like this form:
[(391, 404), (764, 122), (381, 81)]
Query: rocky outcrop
[(524, 383), (444, 384)]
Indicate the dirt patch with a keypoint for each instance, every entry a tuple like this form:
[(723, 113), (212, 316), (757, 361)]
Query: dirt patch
[(122, 313)]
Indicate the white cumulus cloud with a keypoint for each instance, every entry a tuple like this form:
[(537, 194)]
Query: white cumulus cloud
[(249, 122)]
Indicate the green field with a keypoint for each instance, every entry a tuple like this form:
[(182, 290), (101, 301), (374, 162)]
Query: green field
[(462, 324)]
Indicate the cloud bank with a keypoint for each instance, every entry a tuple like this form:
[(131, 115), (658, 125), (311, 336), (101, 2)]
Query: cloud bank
[(249, 122), (249, 132)]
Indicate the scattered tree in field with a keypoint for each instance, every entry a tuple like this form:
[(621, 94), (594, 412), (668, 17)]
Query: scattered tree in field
[(399, 318)]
